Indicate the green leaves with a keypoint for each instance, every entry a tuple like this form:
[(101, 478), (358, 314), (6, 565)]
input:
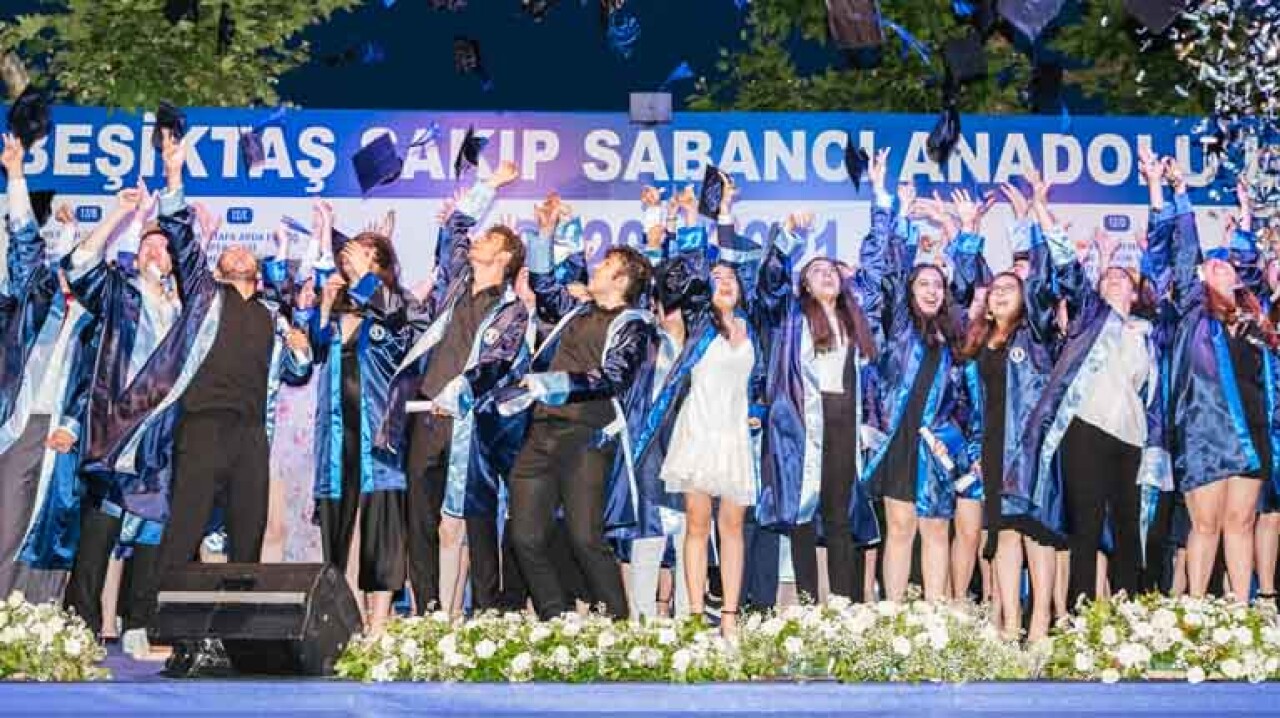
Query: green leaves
[(124, 53)]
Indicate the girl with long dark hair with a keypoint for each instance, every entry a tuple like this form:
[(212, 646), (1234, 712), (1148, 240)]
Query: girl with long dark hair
[(919, 397)]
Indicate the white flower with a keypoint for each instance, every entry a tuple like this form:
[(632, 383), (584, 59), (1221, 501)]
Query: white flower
[(448, 644), (772, 627), (1084, 662), (838, 602), (1109, 636), (606, 640), (1243, 636), (666, 637), (1164, 619), (540, 633), (753, 622), (1195, 674), (793, 645), (1232, 669), (794, 612), (1132, 654), (1193, 619), (383, 671), (16, 599), (901, 646), (571, 628), (72, 647), (1221, 636), (1110, 675), (522, 663), (938, 638), (409, 648), (486, 648), (387, 643), (635, 655), (680, 660), (888, 608)]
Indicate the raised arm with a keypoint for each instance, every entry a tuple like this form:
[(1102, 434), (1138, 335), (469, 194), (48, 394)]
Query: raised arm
[(27, 249), (87, 272), (882, 264), (177, 221)]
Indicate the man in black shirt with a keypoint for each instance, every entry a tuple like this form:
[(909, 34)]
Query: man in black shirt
[(601, 356), (220, 443)]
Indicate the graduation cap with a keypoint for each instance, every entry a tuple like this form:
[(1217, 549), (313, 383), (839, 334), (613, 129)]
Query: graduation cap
[(469, 153), (169, 118), (226, 30), (251, 148), (42, 205), (856, 161), (621, 27), (854, 24), (712, 194), (175, 11), (965, 57), (537, 9), (377, 163), (1031, 17), (364, 53), (946, 132), (1155, 15), (29, 118)]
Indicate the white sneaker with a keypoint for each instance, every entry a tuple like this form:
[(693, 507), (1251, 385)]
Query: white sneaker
[(135, 644)]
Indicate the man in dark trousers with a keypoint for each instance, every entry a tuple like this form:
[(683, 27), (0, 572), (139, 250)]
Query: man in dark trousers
[(591, 385)]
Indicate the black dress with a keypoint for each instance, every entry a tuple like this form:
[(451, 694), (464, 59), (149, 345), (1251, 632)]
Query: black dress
[(895, 477), (383, 563), (1246, 360)]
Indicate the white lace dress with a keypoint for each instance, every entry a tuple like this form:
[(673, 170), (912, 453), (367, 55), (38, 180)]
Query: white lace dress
[(710, 450)]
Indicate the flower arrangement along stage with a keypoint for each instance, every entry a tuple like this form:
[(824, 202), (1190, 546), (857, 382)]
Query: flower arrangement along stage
[(1150, 637), (42, 642)]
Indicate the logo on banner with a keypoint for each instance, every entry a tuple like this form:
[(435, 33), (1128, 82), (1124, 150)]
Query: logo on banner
[(377, 333)]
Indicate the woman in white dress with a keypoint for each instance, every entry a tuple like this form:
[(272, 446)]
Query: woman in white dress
[(711, 454)]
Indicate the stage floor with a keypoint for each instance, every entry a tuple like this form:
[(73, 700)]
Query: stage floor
[(138, 690)]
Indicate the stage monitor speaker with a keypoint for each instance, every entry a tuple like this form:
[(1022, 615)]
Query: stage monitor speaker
[(282, 619)]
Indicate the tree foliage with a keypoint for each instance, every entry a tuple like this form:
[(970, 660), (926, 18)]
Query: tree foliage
[(1104, 58), (126, 53)]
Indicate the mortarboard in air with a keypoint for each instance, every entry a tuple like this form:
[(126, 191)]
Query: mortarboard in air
[(711, 196), (226, 30), (946, 132), (469, 153), (29, 118), (537, 9), (251, 147), (856, 161), (377, 163), (175, 11), (169, 118), (1155, 15), (966, 58), (1031, 17), (468, 61), (854, 24), (42, 205), (621, 27)]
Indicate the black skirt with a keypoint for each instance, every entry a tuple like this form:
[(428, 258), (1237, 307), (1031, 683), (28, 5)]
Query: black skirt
[(895, 477)]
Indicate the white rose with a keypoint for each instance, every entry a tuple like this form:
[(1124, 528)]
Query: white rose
[(409, 648), (901, 646), (486, 649), (72, 647), (1221, 636), (1195, 674), (522, 663), (1084, 662), (838, 602), (772, 627), (938, 639), (1109, 636), (753, 623), (1164, 619), (887, 608), (1243, 636), (540, 633), (571, 628), (1193, 619), (680, 660), (1232, 669), (606, 640), (1110, 675), (382, 671), (666, 637), (793, 645)]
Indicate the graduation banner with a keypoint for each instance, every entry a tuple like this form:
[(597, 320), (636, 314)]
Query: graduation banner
[(600, 162)]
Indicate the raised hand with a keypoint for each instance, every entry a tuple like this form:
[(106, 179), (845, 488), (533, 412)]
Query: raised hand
[(12, 156), (1039, 187), (798, 222), (1021, 206), (1151, 169), (61, 441), (547, 214), (358, 258), (210, 222), (128, 199), (879, 169), (969, 212), (1246, 206), (524, 290), (506, 173), (174, 153), (297, 340), (650, 197), (329, 294), (65, 216), (1173, 173), (906, 194)]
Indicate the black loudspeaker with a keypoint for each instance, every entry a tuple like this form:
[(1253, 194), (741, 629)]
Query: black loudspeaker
[(281, 619)]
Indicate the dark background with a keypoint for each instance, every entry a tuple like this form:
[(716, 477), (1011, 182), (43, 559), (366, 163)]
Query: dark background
[(562, 63)]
